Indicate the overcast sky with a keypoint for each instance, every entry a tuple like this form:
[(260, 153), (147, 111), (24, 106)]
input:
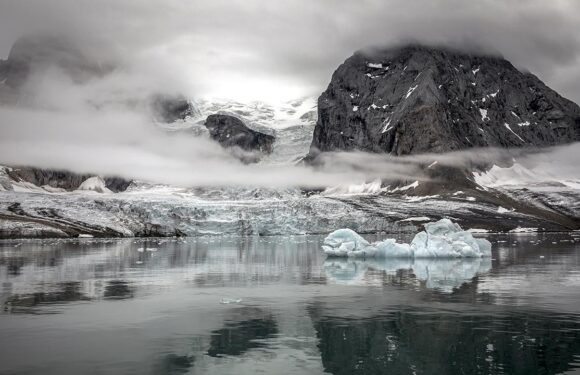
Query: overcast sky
[(266, 49)]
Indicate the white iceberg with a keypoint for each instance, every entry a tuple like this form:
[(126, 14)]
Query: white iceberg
[(441, 239)]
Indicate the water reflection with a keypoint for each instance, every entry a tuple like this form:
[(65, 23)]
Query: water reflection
[(158, 307), (27, 303), (237, 337), (441, 274), (412, 342)]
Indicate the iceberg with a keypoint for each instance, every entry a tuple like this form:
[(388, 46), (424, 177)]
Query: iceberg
[(440, 239)]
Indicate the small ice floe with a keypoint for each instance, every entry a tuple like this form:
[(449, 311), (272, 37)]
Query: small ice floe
[(476, 230), (524, 230), (228, 301), (441, 239)]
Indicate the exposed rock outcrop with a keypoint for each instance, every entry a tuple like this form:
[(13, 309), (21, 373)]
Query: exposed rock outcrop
[(418, 99), (62, 179), (230, 131), (172, 108)]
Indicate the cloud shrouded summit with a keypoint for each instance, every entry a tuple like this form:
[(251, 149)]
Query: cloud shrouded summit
[(258, 49)]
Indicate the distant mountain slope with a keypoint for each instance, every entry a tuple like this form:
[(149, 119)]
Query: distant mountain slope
[(417, 99)]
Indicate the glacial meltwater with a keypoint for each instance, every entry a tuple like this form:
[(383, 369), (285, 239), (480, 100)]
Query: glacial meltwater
[(276, 305)]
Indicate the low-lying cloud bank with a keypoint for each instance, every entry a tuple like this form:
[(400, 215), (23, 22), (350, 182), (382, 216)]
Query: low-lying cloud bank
[(128, 144)]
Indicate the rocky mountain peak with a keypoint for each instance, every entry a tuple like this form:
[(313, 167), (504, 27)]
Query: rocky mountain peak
[(416, 99)]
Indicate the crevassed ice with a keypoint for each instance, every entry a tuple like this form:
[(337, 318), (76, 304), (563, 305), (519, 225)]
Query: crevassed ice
[(441, 239)]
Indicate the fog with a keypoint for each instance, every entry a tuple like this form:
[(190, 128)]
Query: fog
[(250, 50)]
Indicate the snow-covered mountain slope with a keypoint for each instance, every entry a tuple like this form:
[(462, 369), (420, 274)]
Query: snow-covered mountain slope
[(518, 175), (291, 123)]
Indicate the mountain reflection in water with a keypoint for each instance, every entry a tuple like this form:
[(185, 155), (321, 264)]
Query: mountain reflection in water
[(275, 304)]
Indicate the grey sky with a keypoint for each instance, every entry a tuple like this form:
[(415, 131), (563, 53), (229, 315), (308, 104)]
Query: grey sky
[(260, 49)]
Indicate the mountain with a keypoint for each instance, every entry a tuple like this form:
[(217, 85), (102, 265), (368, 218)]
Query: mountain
[(37, 54), (230, 131), (60, 179), (417, 99)]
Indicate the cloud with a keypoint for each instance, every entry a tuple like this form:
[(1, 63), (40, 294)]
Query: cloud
[(262, 49), (250, 49)]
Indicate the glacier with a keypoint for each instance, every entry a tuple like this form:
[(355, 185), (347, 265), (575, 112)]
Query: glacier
[(440, 239)]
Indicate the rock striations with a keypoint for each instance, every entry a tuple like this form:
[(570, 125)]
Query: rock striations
[(418, 99)]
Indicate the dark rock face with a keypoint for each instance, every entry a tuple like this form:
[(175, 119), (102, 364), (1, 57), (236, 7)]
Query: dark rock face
[(172, 108), (63, 179), (36, 53), (230, 131), (418, 99)]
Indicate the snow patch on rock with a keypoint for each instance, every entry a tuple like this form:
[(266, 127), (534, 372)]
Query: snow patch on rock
[(96, 184)]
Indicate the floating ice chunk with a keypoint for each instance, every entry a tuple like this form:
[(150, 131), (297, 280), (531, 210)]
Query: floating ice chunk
[(390, 248), (523, 230), (441, 239), (477, 230), (341, 242)]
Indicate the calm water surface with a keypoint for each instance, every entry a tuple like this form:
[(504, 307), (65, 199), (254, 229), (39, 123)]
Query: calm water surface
[(277, 306)]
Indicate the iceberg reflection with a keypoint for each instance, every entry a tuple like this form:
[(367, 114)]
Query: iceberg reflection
[(442, 274)]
